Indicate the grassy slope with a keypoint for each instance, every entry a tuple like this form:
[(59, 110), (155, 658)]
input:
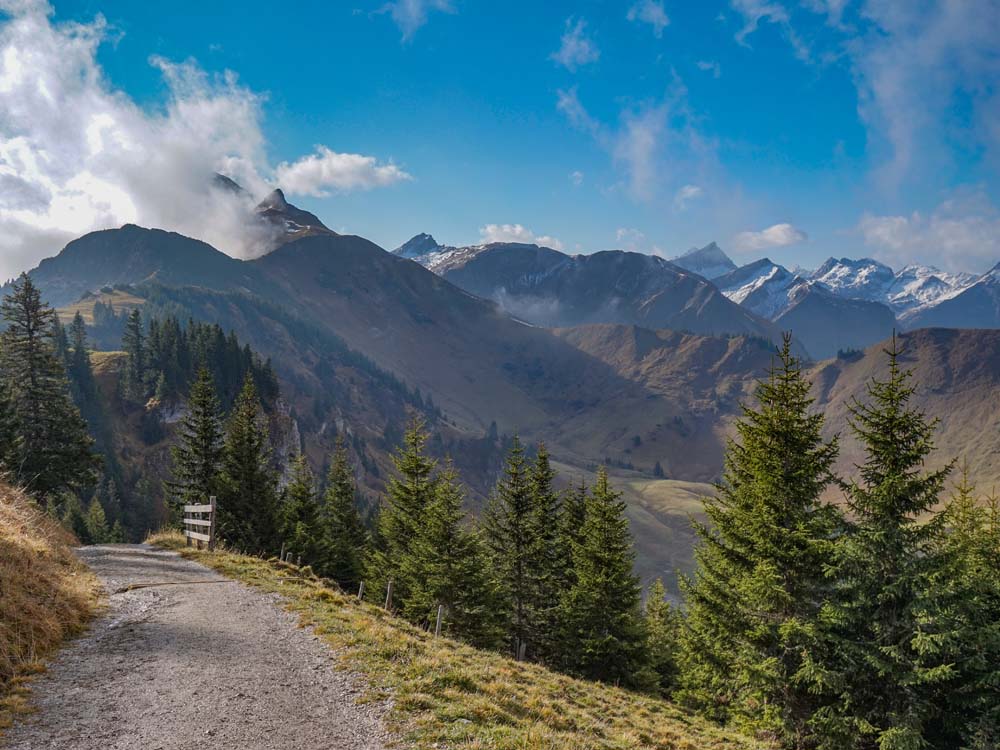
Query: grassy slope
[(46, 595), (445, 694)]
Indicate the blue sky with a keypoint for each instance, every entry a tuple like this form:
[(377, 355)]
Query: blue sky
[(794, 130)]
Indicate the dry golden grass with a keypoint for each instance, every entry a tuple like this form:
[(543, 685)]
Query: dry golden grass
[(46, 595), (449, 695), (118, 299)]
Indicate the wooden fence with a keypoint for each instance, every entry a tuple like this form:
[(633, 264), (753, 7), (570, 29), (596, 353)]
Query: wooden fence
[(199, 523)]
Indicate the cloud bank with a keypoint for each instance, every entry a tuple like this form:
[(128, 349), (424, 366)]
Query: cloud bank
[(778, 235), (77, 155), (517, 233)]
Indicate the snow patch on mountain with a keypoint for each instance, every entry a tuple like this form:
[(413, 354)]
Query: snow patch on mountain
[(709, 261)]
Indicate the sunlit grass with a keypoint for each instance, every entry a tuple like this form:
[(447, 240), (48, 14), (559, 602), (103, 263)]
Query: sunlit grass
[(449, 695)]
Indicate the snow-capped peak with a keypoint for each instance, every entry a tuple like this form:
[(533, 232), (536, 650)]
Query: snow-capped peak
[(420, 244), (709, 261)]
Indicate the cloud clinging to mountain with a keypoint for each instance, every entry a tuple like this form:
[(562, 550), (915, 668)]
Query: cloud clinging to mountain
[(76, 154)]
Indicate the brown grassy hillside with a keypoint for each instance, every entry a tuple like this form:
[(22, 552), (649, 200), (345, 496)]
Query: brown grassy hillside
[(46, 594)]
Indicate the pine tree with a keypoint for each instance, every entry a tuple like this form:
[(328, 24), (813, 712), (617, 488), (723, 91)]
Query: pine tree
[(884, 678), (298, 519), (10, 437), (55, 451), (545, 557), (97, 523), (508, 532), (446, 566), (603, 631), (574, 513), (134, 346), (753, 606), (402, 513), (197, 457), (344, 537), (964, 607), (248, 496), (74, 519), (663, 626)]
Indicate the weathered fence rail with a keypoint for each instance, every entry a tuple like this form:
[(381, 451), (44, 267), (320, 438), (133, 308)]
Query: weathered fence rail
[(199, 523)]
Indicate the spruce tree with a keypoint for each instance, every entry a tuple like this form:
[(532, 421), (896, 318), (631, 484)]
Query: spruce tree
[(446, 566), (663, 625), (572, 516), (402, 514), (344, 536), (603, 632), (75, 519), (55, 453), (545, 557), (197, 457), (508, 531), (754, 604), (97, 523), (10, 437), (298, 519), (884, 678), (134, 346), (247, 505)]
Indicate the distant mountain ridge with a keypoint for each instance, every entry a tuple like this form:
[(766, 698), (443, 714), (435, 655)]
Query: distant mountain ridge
[(709, 261)]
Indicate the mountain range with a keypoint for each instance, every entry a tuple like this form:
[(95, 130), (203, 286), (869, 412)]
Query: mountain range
[(619, 358)]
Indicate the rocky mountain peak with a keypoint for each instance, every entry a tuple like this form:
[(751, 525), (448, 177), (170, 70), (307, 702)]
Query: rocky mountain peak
[(419, 244)]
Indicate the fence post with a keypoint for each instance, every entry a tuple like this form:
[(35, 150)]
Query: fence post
[(361, 591), (298, 561), (522, 648), (281, 555), (437, 627), (211, 528), (388, 595)]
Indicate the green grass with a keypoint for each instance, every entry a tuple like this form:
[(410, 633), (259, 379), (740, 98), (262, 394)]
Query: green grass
[(448, 695)]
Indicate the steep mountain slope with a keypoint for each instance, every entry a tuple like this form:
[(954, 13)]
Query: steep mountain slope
[(549, 288), (763, 287), (975, 306), (709, 261), (131, 255), (826, 324), (288, 222)]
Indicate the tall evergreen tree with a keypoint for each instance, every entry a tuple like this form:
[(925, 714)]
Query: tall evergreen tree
[(545, 557), (55, 451), (248, 497), (298, 519), (508, 531), (197, 457), (663, 625), (10, 435), (574, 513), (134, 346), (344, 536), (75, 519), (408, 495), (753, 607), (884, 679), (446, 566), (603, 632), (97, 523)]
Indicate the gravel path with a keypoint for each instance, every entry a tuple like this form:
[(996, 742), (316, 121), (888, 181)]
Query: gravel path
[(197, 665)]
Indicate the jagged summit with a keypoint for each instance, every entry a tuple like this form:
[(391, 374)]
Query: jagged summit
[(419, 244), (709, 261)]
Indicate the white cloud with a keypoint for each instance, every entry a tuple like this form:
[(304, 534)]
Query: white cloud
[(651, 12), (778, 235), (576, 177), (576, 48), (318, 173), (961, 234), (650, 140), (630, 239), (756, 11), (77, 155), (516, 233), (410, 15), (685, 195), (710, 66)]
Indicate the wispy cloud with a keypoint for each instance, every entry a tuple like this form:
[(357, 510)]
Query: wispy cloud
[(710, 66), (77, 155), (778, 235), (517, 233), (962, 233), (755, 12), (651, 12), (576, 48), (629, 238), (410, 15), (576, 177), (685, 195)]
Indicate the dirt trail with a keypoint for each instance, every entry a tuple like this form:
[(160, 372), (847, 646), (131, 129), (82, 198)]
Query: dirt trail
[(197, 665)]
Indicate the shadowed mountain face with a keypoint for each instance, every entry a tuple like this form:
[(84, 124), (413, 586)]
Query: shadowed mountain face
[(976, 306), (549, 288), (709, 261)]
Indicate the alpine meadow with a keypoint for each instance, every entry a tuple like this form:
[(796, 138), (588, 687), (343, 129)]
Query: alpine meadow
[(280, 468)]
